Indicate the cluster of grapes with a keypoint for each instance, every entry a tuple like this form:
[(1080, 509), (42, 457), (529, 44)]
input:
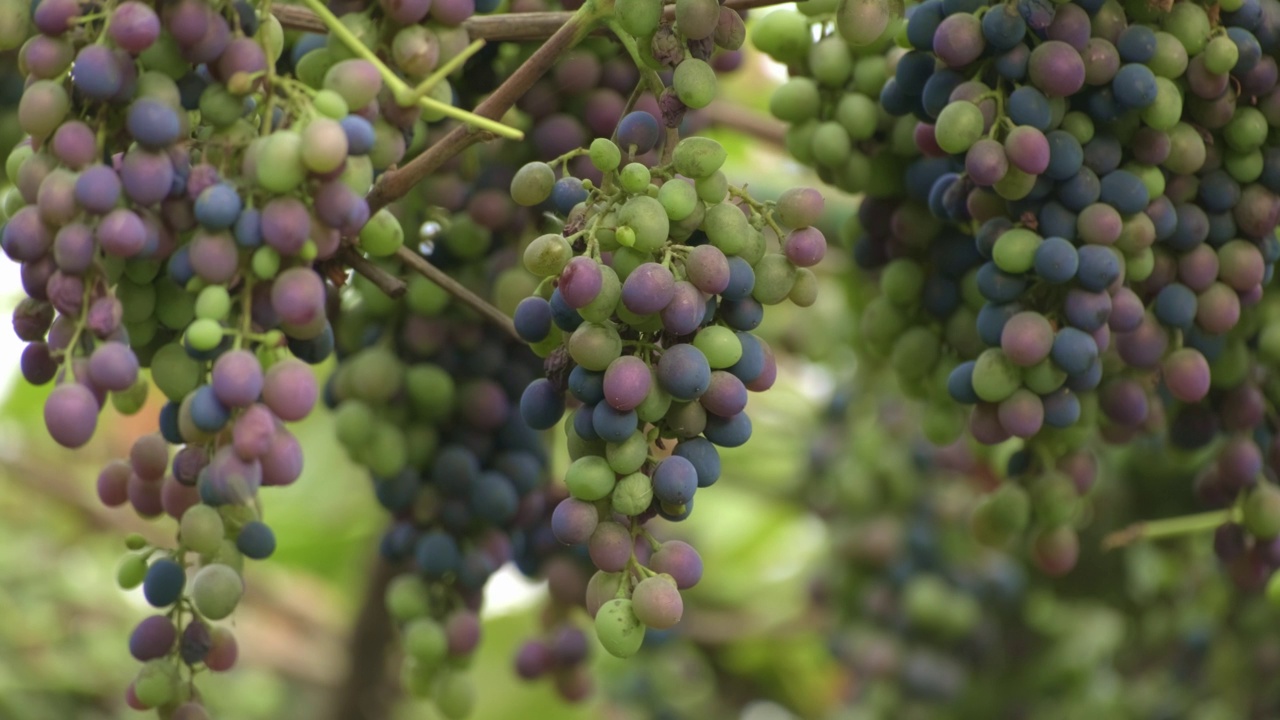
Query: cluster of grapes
[(167, 205), (1077, 233), (648, 327)]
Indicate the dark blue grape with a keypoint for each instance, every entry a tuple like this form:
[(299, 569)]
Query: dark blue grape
[(1073, 350), (1103, 153), (565, 317), (989, 232), (1248, 47), (960, 384), (1003, 27), (437, 554), (1248, 16), (1219, 192), (937, 90), (1087, 380), (923, 173), (991, 321), (894, 100), (494, 498), (566, 193), (913, 71), (218, 206), (583, 424), (941, 296), (1065, 155), (1086, 310), (169, 424), (1056, 221), (922, 22), (360, 136), (998, 286), (1136, 44), (1080, 191), (163, 583), (523, 469), (742, 279), (248, 228), (152, 123), (1175, 306), (638, 128), (586, 385), (728, 432), (1029, 106), (752, 362), (745, 314), (1099, 267), (1061, 408), (455, 469), (1038, 14), (533, 317), (674, 480), (611, 425), (674, 514), (1012, 65), (256, 541), (1164, 217), (1102, 106), (1222, 228), (207, 413), (704, 457), (541, 405), (397, 494), (1191, 229), (1056, 260)]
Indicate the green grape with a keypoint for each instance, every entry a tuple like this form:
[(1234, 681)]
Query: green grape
[(831, 145), (532, 184), (1002, 516), (1015, 250), (1015, 184), (216, 590), (408, 597), (830, 62), (201, 529), (1166, 111), (620, 631), (1187, 150), (628, 456), (424, 297), (858, 115), (1262, 511), (1220, 55), (139, 301), (699, 157), (784, 35), (995, 376), (1188, 23), (131, 571), (1044, 377), (804, 290), (726, 227), (775, 276), (382, 236), (633, 494), (204, 335), (387, 453), (218, 107), (431, 392), (647, 218), (595, 345), (720, 345), (697, 19), (862, 22), (455, 694), (132, 400), (1246, 130), (959, 126), (634, 178), (640, 18), (1055, 500), (590, 478), (870, 75), (175, 372), (353, 424), (15, 25), (547, 255), (796, 100), (914, 353), (604, 153), (606, 301), (1273, 589), (656, 404), (156, 683), (425, 641), (678, 198), (902, 282), (213, 303), (330, 104), (279, 167), (1171, 58), (711, 190), (799, 141), (695, 83)]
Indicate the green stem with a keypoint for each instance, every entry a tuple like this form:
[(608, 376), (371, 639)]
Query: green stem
[(446, 69), (1171, 527)]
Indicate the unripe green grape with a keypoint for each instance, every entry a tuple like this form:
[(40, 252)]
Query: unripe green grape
[(943, 424), (620, 631), (783, 34), (578, 447), (604, 153), (902, 282), (775, 275), (655, 405), (678, 198), (1166, 111), (227, 554), (798, 141), (699, 157), (204, 335), (695, 83), (831, 145), (175, 372), (1220, 55), (1055, 499), (1273, 589), (279, 168), (532, 184), (218, 107), (132, 400), (424, 297), (804, 291), (628, 456), (726, 227), (15, 25), (1244, 167), (720, 345), (330, 104), (547, 255), (753, 247), (1002, 516), (796, 100), (590, 478), (1015, 184), (213, 303), (1189, 23), (632, 494), (643, 323), (216, 590), (959, 126), (387, 453), (995, 376), (862, 22), (634, 178), (157, 682), (1044, 377), (1246, 130), (1187, 150), (915, 353), (858, 115), (201, 529), (382, 236), (407, 598), (697, 19), (711, 190), (830, 62), (606, 301), (431, 392), (425, 641), (455, 694), (595, 345), (647, 218), (640, 18), (131, 571), (1015, 250)]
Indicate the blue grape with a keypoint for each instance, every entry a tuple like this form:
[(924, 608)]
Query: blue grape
[(360, 135), (937, 90), (541, 405), (998, 286), (169, 424), (153, 124), (1136, 44), (1103, 154), (1191, 229), (728, 432), (1073, 350), (455, 470), (437, 554), (494, 498), (566, 193), (742, 279), (532, 318), (922, 22), (704, 457), (1099, 267), (1065, 155), (638, 128), (1061, 408), (164, 582), (611, 425), (1219, 192), (684, 372), (256, 541), (745, 314), (991, 321), (1080, 191), (674, 480), (207, 413), (586, 385), (397, 494), (913, 71), (218, 207), (1056, 221), (565, 317), (248, 228), (1175, 306), (1124, 191), (960, 383), (1003, 27), (752, 362), (1029, 106), (584, 423)]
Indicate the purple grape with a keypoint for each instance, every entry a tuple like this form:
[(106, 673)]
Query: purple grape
[(726, 396), (1239, 463), (37, 364), (1027, 149), (805, 247), (640, 129), (1124, 402), (113, 483), (708, 269), (211, 43), (282, 464), (71, 415), (31, 319), (147, 177), (958, 40), (1127, 311), (1027, 338), (533, 660), (452, 12), (75, 144), (626, 383), (105, 315), (986, 162), (152, 638), (25, 238), (242, 55), (237, 378), (298, 296), (679, 560), (1143, 346), (153, 124), (98, 189), (214, 257), (289, 390), (1186, 374), (66, 293), (228, 479), (74, 249), (121, 233), (47, 57), (580, 282), (97, 73), (1088, 311), (648, 289), (113, 366), (985, 426), (1056, 69), (610, 546), (286, 225), (253, 432), (686, 310), (573, 521), (195, 645), (134, 27)]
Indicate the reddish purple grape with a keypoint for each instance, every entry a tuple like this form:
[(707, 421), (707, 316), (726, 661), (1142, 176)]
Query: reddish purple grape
[(985, 426), (708, 269), (26, 238), (626, 382), (147, 177), (242, 55), (214, 257), (1124, 402), (648, 289), (113, 366), (1056, 69), (282, 464), (71, 415), (297, 295), (686, 310), (75, 144), (253, 432), (533, 660), (1027, 149), (134, 27), (574, 521), (237, 378), (610, 546), (1021, 414), (1186, 374), (98, 189), (289, 390), (679, 560), (805, 247), (113, 483), (121, 233), (580, 282), (37, 364), (152, 638)]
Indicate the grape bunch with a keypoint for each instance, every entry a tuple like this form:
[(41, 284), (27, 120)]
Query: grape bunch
[(1099, 232), (644, 314)]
